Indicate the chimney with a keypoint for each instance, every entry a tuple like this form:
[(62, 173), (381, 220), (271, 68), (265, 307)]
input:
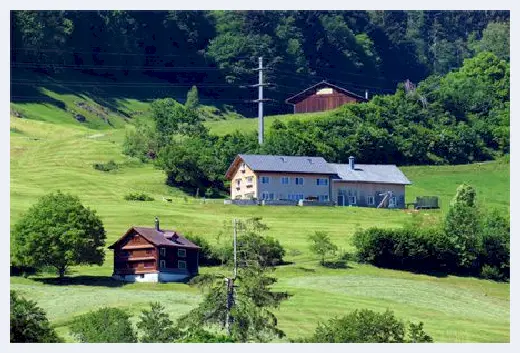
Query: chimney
[(351, 164), (366, 94), (157, 223)]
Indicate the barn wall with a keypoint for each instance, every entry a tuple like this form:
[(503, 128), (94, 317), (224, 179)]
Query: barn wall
[(323, 102)]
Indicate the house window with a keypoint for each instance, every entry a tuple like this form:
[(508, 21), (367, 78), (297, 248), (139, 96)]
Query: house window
[(295, 197), (323, 198), (392, 202), (181, 264), (162, 251), (264, 180), (370, 200), (149, 251), (242, 168), (322, 181), (162, 264), (238, 182), (352, 200), (298, 181), (181, 252), (267, 195), (249, 180), (284, 180), (149, 264)]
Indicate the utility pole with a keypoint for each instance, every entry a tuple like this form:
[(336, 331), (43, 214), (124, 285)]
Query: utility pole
[(235, 248), (230, 282), (260, 101)]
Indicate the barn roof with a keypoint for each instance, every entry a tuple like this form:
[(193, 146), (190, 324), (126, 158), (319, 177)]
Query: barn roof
[(162, 237), (311, 90), (288, 164), (370, 173)]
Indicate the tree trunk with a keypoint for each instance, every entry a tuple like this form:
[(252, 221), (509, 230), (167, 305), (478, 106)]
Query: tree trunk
[(61, 272)]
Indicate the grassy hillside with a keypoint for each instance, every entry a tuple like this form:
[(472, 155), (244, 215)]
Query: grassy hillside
[(50, 156), (223, 127)]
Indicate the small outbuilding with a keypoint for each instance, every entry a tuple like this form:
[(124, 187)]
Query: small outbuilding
[(154, 255), (321, 97)]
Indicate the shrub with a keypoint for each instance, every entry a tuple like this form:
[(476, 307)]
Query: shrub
[(138, 196), (211, 193), (417, 249), (105, 325), (490, 272), (29, 323), (106, 167), (367, 326)]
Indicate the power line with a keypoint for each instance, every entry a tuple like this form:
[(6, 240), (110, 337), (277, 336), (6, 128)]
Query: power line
[(122, 84), (336, 70), (114, 67)]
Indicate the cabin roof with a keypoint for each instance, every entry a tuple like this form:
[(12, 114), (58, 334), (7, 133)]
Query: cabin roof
[(161, 237), (311, 90)]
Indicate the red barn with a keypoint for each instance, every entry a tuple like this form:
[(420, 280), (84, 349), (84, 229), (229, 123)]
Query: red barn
[(154, 255), (321, 97)]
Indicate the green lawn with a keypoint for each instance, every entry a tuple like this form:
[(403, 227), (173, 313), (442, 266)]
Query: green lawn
[(50, 156)]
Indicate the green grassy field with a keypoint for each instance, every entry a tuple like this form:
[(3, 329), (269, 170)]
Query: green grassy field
[(49, 156)]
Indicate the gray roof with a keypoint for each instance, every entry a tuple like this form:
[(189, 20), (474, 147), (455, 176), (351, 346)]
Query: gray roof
[(289, 164), (374, 173)]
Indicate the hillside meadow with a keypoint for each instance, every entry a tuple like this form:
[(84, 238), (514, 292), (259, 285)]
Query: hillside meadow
[(51, 155)]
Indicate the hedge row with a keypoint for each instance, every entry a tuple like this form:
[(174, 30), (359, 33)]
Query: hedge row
[(427, 250)]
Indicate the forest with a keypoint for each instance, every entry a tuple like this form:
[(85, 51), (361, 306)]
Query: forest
[(218, 50)]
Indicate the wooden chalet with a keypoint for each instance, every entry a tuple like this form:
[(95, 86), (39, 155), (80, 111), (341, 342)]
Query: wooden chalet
[(321, 97), (154, 255)]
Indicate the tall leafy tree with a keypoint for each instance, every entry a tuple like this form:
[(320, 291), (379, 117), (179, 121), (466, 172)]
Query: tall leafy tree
[(251, 313), (60, 232)]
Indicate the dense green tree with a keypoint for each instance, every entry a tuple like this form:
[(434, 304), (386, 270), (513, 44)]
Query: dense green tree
[(155, 325), (141, 141), (462, 226), (495, 39), (173, 118), (29, 323), (105, 325), (58, 231)]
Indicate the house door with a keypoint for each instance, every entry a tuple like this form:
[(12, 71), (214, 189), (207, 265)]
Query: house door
[(341, 200)]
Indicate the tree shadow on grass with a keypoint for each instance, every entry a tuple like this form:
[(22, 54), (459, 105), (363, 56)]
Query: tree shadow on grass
[(434, 273), (95, 281), (306, 269)]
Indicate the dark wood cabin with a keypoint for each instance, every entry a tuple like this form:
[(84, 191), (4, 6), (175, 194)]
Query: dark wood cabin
[(154, 255), (321, 97)]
